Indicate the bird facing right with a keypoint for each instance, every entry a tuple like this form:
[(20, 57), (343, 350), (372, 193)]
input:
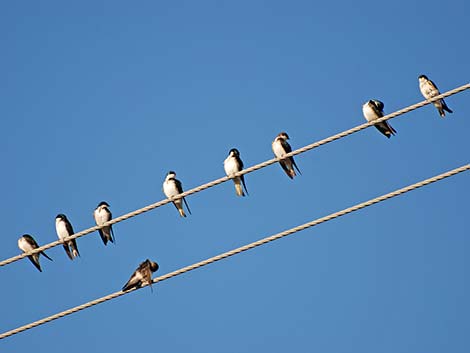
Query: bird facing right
[(142, 276), (280, 148), (429, 90)]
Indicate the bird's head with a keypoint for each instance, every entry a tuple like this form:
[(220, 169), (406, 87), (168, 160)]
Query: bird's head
[(283, 135), (170, 175), (422, 78), (102, 204), (234, 152), (153, 266)]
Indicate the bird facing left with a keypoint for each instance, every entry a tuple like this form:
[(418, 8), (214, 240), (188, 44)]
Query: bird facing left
[(27, 243)]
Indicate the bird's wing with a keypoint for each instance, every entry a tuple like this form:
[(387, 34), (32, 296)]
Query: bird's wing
[(134, 281), (179, 186), (286, 146), (31, 241), (69, 228)]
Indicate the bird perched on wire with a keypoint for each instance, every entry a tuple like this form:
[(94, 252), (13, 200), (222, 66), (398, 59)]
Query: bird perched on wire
[(374, 109), (173, 187), (142, 276), (27, 243), (64, 229), (429, 90), (232, 165), (102, 214), (280, 148)]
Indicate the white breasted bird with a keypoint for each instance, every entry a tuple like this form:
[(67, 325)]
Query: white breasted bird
[(232, 165), (64, 229), (429, 90), (142, 276), (102, 214), (171, 188), (27, 243), (280, 148), (373, 110)]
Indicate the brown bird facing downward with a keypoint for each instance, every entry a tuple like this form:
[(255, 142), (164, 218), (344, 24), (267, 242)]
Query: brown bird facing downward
[(142, 276)]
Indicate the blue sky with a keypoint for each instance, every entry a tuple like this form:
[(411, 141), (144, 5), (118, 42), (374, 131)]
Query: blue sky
[(101, 100)]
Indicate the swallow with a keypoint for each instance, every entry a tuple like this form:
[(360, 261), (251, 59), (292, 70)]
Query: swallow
[(27, 243), (64, 229), (102, 214), (429, 90), (280, 148), (142, 276), (373, 110), (172, 187), (232, 165)]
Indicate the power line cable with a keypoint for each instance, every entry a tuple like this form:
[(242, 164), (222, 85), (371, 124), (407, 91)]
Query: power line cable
[(243, 248), (245, 171)]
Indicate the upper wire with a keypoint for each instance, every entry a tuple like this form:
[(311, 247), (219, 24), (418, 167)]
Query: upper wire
[(245, 171)]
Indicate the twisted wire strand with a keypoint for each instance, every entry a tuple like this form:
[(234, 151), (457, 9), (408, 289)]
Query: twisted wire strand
[(242, 248), (245, 171)]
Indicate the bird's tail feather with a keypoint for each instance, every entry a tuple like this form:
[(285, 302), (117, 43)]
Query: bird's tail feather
[(179, 207), (442, 113), (238, 188), (180, 210), (440, 107), (291, 173), (74, 247), (287, 167)]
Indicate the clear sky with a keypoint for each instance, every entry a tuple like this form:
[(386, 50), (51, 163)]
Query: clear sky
[(99, 100)]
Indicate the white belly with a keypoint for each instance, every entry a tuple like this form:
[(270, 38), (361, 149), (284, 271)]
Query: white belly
[(61, 230), (101, 216), (428, 90), (230, 166), (369, 113), (278, 149), (169, 189), (24, 245)]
